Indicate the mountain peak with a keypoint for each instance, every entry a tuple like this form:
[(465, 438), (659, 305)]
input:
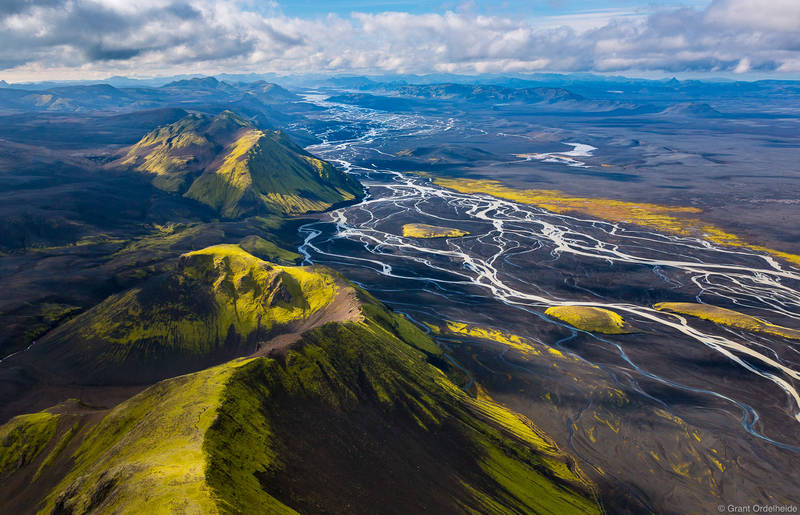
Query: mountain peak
[(217, 304), (219, 260), (269, 92), (237, 169), (227, 122)]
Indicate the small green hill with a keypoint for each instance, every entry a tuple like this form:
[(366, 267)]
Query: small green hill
[(219, 303), (352, 418), (238, 170)]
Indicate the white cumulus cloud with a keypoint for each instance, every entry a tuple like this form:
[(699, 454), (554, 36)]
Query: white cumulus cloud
[(48, 38)]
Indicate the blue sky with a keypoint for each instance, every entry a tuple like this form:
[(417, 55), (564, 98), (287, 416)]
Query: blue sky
[(306, 8), (70, 39)]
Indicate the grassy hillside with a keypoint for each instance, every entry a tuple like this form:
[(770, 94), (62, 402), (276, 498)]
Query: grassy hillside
[(174, 152), (353, 417), (237, 169), (218, 303), (23, 438)]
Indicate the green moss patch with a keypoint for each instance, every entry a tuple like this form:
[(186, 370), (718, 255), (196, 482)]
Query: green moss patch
[(23, 438)]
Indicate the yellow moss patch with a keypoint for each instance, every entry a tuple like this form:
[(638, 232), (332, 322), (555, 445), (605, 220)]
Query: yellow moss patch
[(431, 231), (487, 333), (728, 317), (672, 219), (294, 203), (595, 320), (434, 328), (606, 417)]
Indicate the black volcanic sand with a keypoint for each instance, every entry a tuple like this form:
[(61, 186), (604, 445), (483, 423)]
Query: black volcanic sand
[(648, 445), (743, 174)]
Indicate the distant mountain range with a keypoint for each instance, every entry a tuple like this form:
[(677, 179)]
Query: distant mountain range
[(665, 99), (254, 97), (105, 97), (482, 93), (580, 93), (407, 97)]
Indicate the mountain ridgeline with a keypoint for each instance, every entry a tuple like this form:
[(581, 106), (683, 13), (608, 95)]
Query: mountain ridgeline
[(340, 405), (237, 169)]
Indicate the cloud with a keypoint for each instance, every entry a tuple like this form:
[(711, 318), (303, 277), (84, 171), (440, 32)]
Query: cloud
[(8, 7), (53, 37), (770, 15), (108, 33)]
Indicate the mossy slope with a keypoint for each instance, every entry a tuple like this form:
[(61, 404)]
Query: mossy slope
[(23, 438), (352, 418), (237, 169), (146, 456), (218, 303), (174, 152), (358, 419)]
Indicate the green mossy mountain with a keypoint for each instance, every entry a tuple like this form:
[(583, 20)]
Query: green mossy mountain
[(218, 303), (353, 417), (237, 169)]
